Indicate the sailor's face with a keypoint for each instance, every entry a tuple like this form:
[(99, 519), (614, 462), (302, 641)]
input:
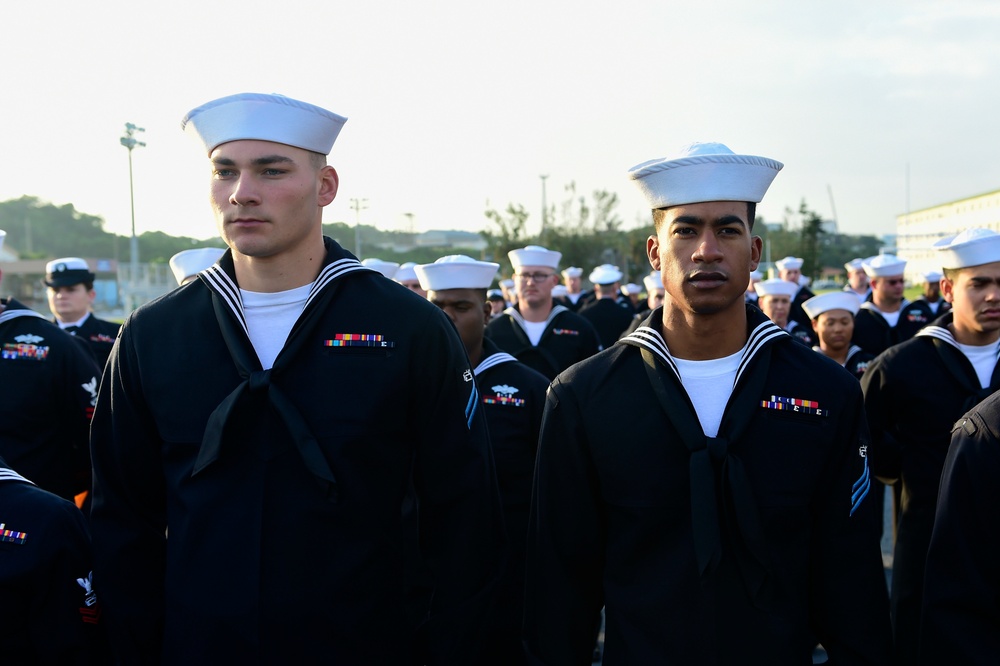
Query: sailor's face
[(889, 288), (704, 253), (834, 328), (70, 303), (268, 197), (468, 310), (975, 297), (776, 308)]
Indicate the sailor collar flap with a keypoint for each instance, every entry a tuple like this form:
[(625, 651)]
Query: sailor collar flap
[(515, 315), (14, 310), (956, 362)]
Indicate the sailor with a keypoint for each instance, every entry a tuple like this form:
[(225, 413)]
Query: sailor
[(774, 298), (888, 318), (960, 621), (497, 303), (509, 293), (832, 317), (49, 612), (857, 279), (186, 264), (274, 428), (932, 293), (576, 297), (408, 278), (790, 269), (70, 287), (512, 396), (608, 317), (48, 387), (386, 268), (544, 336), (915, 391), (654, 291), (632, 292), (707, 531), (751, 295)]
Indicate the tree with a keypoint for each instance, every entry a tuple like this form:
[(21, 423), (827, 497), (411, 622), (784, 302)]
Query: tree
[(508, 234)]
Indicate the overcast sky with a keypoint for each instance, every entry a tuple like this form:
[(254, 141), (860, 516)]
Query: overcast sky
[(454, 106)]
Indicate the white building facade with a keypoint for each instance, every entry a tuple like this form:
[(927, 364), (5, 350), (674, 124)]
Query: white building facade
[(917, 231)]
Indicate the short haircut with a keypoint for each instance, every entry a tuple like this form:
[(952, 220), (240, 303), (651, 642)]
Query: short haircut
[(318, 160), (660, 213)]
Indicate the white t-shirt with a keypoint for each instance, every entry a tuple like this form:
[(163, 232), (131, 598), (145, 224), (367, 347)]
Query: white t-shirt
[(534, 329), (983, 359), (892, 318), (709, 384), (270, 318)]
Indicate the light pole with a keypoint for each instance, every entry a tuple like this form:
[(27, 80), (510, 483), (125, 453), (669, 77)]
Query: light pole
[(130, 142), (545, 209), (358, 205)]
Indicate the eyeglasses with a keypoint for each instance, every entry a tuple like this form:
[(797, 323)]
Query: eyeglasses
[(893, 282), (537, 277)]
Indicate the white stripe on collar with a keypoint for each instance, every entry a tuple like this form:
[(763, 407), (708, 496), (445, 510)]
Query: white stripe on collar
[(869, 305), (650, 338), (222, 284), (8, 315), (7, 474), (493, 360)]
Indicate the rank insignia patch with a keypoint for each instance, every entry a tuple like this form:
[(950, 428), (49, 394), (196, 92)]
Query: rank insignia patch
[(564, 331), (359, 340), (100, 337), (794, 405), (10, 536), (24, 351)]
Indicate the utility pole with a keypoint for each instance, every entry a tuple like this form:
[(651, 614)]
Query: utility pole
[(545, 208), (358, 205), (130, 142)]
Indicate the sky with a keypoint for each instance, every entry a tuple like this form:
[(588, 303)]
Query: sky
[(875, 108)]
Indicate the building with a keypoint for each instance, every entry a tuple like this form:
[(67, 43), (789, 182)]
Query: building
[(917, 231)]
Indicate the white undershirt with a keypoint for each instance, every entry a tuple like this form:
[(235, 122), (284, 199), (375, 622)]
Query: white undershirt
[(709, 384), (983, 359), (534, 329), (892, 318), (574, 297), (79, 322), (270, 318)]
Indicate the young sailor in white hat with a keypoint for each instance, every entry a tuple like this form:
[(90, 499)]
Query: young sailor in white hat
[(888, 318), (407, 276), (914, 394), (609, 316), (512, 396), (932, 293), (857, 279), (790, 269), (272, 416), (576, 296), (632, 519), (543, 335), (832, 316), (774, 298)]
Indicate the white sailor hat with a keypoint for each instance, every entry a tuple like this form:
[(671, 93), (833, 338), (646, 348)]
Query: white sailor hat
[(704, 172), (835, 300), (559, 291), (456, 271), (932, 276), (854, 265), (884, 265), (386, 268), (756, 275), (605, 274), (494, 295), (631, 289), (572, 272), (264, 117), (189, 263), (3, 234), (534, 255), (788, 263), (406, 272), (653, 282), (776, 287), (972, 247), (67, 271), (507, 284)]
